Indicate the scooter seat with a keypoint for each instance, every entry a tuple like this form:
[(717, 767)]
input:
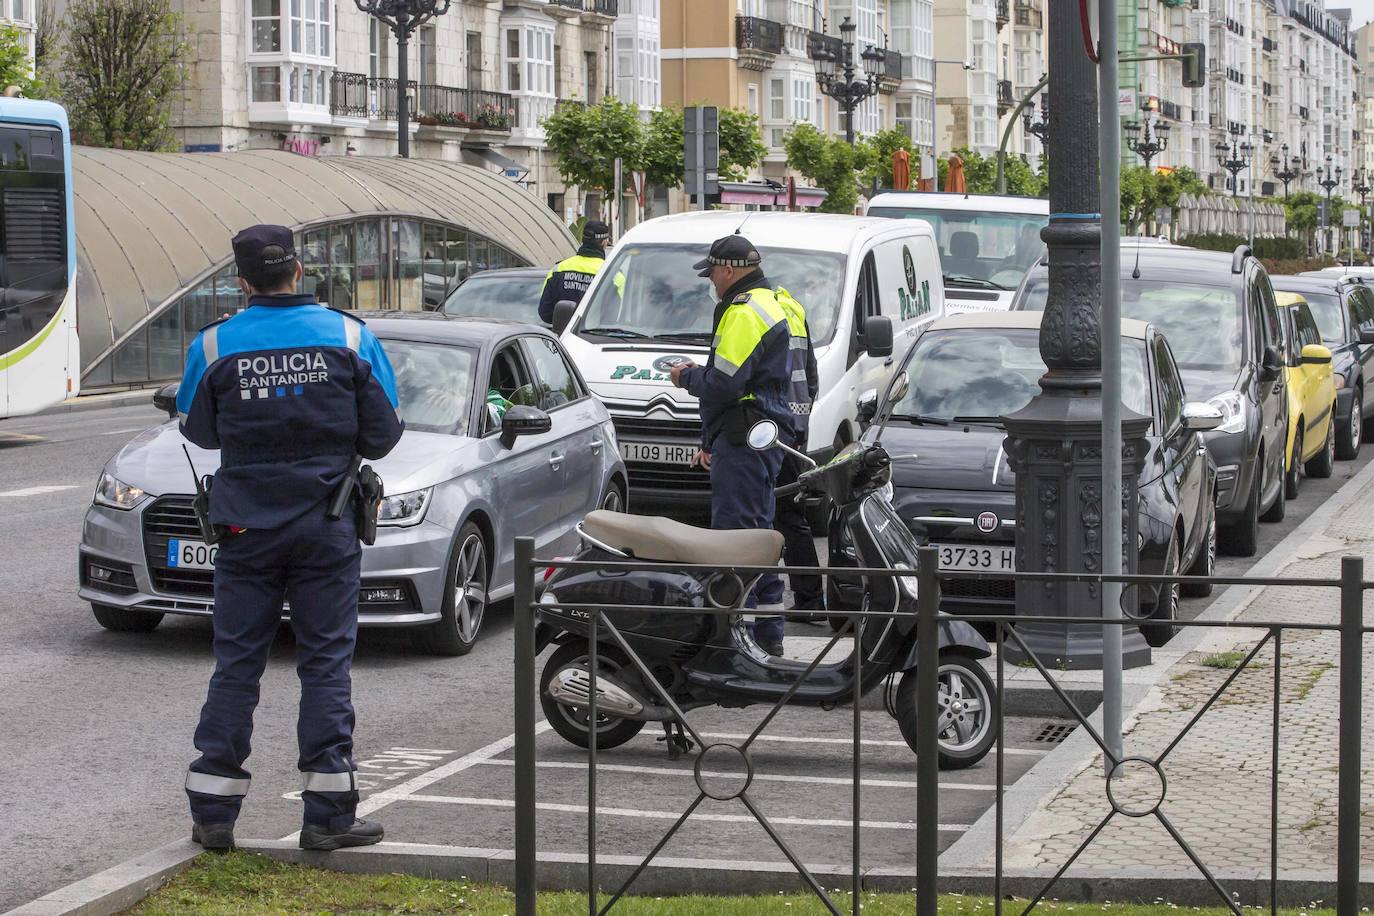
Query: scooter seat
[(667, 541)]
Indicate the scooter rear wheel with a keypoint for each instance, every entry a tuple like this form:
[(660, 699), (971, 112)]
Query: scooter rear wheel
[(967, 711), (572, 723)]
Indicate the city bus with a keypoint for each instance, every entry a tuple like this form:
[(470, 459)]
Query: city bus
[(40, 354)]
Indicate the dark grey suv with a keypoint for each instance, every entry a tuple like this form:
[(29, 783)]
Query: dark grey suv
[(1218, 312)]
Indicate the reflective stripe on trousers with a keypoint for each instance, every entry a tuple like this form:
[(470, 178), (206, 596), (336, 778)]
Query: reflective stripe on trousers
[(329, 782), (207, 784)]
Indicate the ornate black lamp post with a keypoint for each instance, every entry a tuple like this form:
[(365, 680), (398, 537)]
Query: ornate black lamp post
[(1234, 157), (837, 77), (1150, 142), (1054, 443), (1038, 129), (1287, 169), (403, 17), (1327, 183), (1360, 185)]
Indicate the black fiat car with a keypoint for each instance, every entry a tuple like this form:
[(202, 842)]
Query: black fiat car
[(952, 485)]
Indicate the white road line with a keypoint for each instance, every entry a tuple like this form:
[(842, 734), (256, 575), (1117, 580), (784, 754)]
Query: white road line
[(38, 491), (758, 777), (1011, 751), (408, 788), (672, 816)]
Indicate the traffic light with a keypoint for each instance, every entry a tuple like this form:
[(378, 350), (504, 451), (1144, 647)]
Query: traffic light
[(1194, 65)]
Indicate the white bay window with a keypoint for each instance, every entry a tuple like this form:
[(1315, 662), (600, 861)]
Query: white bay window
[(290, 60)]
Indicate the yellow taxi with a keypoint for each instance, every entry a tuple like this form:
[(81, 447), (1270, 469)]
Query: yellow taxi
[(1311, 395)]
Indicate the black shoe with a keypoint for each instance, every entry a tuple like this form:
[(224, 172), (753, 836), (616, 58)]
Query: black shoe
[(325, 839), (218, 837), (772, 648)]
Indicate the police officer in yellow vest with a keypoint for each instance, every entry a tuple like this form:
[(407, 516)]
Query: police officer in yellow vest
[(748, 377), (570, 277)]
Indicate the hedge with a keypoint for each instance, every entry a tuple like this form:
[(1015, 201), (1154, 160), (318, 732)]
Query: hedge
[(1279, 249)]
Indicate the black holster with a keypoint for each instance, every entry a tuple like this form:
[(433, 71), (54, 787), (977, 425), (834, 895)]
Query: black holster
[(210, 533), (736, 422), (369, 503)]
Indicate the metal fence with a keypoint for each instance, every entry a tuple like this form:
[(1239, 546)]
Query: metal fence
[(1351, 629)]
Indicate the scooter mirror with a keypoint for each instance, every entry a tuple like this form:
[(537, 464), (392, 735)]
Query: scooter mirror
[(763, 435), (900, 387)]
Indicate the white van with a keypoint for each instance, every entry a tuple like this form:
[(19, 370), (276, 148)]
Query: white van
[(648, 310), (987, 241)]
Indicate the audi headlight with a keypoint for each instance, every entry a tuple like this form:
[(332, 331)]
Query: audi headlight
[(1232, 407), (116, 494), (404, 509)]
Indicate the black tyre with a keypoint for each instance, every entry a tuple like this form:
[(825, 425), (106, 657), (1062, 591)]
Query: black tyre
[(1351, 434), (1166, 606), (1278, 509), (465, 598), (967, 713), (1292, 478), (121, 621), (1205, 564), (614, 498), (1241, 537), (1324, 462), (573, 724)]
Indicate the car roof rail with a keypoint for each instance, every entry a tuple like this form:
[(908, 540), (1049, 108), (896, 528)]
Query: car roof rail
[(1238, 258)]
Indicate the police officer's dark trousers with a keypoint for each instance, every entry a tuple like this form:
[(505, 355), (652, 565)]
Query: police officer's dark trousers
[(313, 563), (742, 484), (799, 547)]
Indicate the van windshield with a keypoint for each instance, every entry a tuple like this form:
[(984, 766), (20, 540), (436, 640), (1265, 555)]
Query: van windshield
[(652, 291), (980, 249)]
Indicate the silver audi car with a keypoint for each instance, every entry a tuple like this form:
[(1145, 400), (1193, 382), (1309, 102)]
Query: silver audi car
[(502, 440)]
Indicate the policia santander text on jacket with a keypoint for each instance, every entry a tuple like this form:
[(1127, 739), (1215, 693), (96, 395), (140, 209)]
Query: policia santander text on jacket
[(570, 277), (293, 394)]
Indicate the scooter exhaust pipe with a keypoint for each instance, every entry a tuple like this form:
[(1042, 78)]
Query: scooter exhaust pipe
[(572, 686)]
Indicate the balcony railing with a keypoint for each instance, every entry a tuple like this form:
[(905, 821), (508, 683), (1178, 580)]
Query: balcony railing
[(476, 109), (348, 95), (1003, 13), (1270, 44), (892, 65), (819, 45), (1005, 99), (1027, 15), (755, 34), (603, 7)]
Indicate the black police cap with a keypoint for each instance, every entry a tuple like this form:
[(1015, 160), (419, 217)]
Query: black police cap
[(595, 231), (259, 247), (731, 251)]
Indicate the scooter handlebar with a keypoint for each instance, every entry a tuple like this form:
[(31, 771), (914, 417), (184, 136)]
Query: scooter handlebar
[(788, 490)]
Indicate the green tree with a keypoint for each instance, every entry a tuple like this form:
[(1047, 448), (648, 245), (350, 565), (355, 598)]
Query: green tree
[(830, 163), (15, 69), (587, 140), (741, 148), (122, 63)]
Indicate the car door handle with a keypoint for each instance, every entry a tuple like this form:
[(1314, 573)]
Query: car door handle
[(596, 446), (555, 460), (887, 362)]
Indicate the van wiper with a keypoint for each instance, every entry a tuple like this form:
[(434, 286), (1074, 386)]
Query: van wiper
[(921, 419), (977, 419), (694, 336), (613, 332), (960, 280)]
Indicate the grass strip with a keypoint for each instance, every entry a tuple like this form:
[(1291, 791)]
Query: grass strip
[(247, 884)]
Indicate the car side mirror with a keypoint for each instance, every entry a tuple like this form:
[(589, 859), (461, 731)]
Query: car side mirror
[(563, 315), (1272, 364), (878, 335), (165, 399), (1315, 355), (868, 405), (1199, 417), (1367, 335), (521, 420)]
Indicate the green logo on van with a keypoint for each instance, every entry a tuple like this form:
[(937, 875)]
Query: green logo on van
[(915, 304)]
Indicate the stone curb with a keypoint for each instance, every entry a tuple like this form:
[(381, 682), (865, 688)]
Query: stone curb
[(1025, 797), (117, 888), (672, 876), (101, 402)]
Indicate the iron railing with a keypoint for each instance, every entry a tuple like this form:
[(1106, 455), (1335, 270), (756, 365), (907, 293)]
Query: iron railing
[(604, 7), (348, 93), (1003, 13), (383, 100), (1351, 630), (478, 109), (1006, 100), (755, 34)]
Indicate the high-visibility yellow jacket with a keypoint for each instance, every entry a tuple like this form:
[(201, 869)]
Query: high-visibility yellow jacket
[(569, 279)]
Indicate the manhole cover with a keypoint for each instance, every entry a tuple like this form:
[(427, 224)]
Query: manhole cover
[(1055, 732)]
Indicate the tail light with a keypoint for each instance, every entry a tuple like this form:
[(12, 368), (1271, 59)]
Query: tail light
[(550, 570)]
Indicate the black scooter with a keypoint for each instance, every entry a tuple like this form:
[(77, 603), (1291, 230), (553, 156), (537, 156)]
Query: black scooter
[(711, 659)]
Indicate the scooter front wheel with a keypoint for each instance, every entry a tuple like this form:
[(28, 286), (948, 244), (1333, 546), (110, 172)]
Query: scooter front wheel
[(966, 715), (574, 723)]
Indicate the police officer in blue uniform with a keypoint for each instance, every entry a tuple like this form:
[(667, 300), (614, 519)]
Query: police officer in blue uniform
[(290, 392), (570, 277), (748, 377)]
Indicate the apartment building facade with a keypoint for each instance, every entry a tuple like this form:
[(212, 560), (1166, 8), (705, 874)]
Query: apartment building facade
[(319, 77), (22, 16), (760, 56)]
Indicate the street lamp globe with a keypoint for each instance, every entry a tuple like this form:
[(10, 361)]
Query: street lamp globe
[(1162, 128), (1132, 128), (873, 59)]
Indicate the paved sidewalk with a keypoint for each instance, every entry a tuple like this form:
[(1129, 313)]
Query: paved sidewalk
[(1219, 776)]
